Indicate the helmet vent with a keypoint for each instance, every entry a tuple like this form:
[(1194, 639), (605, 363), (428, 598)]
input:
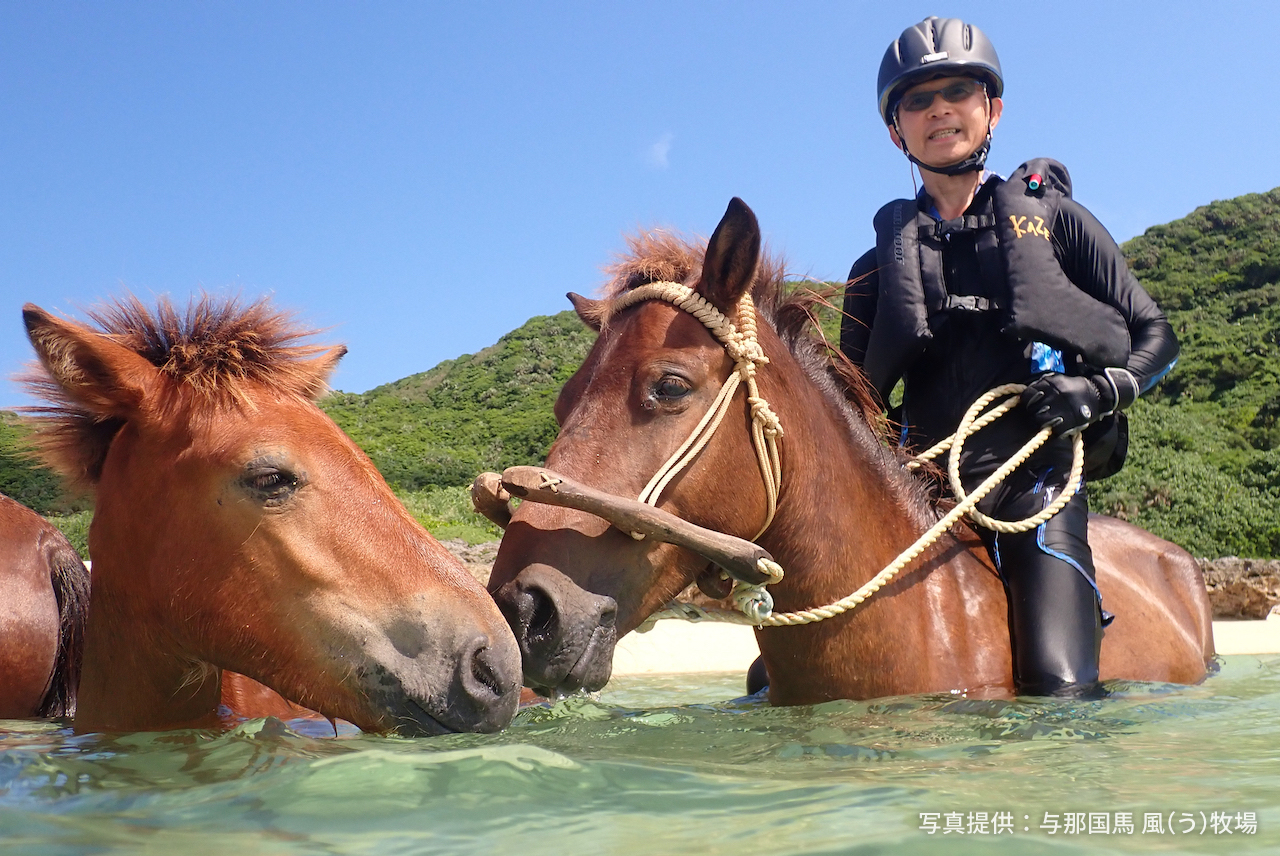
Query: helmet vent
[(968, 37)]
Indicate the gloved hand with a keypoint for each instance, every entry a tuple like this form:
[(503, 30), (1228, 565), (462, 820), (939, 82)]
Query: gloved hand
[(1068, 403)]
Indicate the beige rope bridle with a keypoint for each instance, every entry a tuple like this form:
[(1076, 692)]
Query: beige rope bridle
[(755, 604), (741, 344)]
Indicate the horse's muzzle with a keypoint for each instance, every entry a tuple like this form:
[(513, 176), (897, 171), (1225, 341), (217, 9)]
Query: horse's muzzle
[(566, 634), (477, 688)]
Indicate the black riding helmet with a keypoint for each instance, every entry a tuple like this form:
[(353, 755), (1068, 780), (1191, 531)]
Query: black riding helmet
[(938, 47)]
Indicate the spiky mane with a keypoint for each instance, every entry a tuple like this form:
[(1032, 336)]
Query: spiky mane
[(217, 347), (215, 353)]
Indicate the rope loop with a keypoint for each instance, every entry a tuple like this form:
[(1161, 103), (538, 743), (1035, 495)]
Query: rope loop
[(975, 419), (755, 604), (769, 568)]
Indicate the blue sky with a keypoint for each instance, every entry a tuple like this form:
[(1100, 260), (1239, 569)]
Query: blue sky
[(420, 178)]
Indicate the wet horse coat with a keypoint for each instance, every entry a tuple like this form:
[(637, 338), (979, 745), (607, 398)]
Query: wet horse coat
[(569, 583), (44, 599)]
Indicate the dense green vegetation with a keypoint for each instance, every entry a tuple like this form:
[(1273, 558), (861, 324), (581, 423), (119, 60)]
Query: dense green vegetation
[(1204, 461), (1204, 464), (484, 411), (39, 488)]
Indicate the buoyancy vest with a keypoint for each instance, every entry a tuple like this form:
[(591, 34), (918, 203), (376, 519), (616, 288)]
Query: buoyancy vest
[(1036, 300)]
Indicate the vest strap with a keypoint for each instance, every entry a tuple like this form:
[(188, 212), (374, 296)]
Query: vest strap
[(964, 223), (969, 303)]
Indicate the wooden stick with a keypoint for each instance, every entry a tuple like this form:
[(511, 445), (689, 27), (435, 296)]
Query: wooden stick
[(489, 498), (737, 556)]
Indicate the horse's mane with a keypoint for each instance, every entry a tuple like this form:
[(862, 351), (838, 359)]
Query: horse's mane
[(214, 353), (661, 255)]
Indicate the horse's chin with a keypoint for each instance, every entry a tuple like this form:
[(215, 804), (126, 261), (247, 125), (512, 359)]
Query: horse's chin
[(414, 720), (589, 673)]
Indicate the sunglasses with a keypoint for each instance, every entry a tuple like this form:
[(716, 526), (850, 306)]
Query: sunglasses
[(952, 93)]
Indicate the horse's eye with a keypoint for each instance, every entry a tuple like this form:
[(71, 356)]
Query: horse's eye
[(671, 387), (269, 483)]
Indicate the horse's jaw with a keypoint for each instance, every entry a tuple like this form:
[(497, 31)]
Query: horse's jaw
[(127, 684)]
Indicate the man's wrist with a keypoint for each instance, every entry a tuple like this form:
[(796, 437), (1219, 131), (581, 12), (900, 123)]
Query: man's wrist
[(1117, 389)]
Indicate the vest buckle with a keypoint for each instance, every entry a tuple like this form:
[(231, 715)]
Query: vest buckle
[(969, 303)]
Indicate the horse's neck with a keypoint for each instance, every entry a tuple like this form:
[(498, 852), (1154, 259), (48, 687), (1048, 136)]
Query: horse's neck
[(846, 512), (847, 509), (128, 681)]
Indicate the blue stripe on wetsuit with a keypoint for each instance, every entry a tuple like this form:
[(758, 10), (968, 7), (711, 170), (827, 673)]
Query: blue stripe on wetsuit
[(1049, 551), (1155, 379)]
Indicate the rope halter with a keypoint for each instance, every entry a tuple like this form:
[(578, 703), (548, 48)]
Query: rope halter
[(744, 349), (742, 346)]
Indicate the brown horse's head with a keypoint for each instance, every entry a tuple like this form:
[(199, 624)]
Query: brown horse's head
[(236, 527), (569, 583)]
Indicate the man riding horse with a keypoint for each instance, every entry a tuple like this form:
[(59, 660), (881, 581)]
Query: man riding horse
[(981, 281)]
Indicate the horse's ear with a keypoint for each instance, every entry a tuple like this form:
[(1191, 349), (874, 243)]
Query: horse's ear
[(590, 311), (319, 368), (96, 373), (732, 255)]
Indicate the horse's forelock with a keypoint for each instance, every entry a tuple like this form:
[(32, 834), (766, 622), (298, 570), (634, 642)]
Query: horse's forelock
[(216, 348), (216, 353)]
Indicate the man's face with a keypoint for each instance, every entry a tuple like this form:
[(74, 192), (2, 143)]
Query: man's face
[(945, 131)]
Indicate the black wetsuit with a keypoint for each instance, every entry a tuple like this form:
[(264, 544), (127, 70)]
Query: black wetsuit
[(1055, 617)]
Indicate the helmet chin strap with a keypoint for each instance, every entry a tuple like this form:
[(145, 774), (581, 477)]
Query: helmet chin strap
[(972, 163)]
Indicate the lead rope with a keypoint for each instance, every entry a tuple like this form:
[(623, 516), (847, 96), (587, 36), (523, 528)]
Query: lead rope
[(969, 425)]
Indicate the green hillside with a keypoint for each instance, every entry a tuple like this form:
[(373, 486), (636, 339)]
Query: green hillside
[(484, 411), (1204, 462)]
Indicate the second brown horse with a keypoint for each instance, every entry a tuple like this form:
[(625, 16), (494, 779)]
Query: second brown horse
[(569, 583)]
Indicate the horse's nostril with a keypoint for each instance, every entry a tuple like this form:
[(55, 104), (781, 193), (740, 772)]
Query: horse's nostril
[(483, 672), (542, 617), (609, 615)]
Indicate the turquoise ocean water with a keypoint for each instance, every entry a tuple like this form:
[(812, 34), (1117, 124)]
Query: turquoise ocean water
[(672, 765)]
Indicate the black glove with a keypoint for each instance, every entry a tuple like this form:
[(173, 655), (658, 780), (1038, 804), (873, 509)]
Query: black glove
[(1069, 403)]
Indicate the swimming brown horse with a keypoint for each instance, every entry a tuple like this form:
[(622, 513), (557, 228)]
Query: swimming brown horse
[(236, 527), (44, 599), (570, 583)]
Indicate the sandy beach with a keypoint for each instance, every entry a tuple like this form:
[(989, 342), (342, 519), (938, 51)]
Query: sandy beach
[(679, 647)]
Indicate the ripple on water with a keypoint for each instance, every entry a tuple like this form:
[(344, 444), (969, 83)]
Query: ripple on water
[(665, 765)]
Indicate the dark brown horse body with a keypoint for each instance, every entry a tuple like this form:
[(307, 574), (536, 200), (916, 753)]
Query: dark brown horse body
[(569, 583), (44, 598), (236, 527)]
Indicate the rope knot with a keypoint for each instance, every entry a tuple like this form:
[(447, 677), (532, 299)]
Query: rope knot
[(761, 412), (753, 601)]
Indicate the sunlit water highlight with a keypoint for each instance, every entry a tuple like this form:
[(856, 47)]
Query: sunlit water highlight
[(667, 765)]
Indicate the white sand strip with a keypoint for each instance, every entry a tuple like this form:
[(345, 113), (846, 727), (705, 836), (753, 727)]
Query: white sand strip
[(679, 647), (1247, 637)]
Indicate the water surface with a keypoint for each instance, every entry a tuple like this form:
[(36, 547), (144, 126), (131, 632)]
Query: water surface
[(676, 765)]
